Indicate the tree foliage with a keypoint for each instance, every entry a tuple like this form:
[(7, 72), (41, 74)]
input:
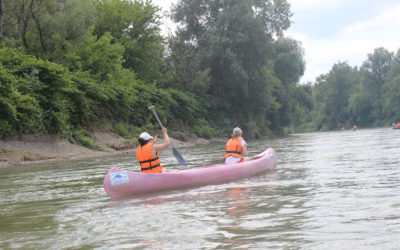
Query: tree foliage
[(71, 66), (136, 26), (232, 47), (46, 28), (40, 96), (368, 96)]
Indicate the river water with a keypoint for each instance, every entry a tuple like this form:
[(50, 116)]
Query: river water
[(332, 190)]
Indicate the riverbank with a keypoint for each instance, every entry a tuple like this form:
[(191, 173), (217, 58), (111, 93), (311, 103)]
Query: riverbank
[(38, 149)]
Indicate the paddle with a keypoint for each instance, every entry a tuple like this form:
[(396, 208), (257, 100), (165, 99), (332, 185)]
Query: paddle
[(178, 156)]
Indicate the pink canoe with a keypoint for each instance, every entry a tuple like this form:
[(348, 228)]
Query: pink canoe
[(120, 183)]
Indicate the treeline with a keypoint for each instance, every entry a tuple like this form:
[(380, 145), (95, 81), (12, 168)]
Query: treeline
[(366, 96), (71, 67), (67, 67)]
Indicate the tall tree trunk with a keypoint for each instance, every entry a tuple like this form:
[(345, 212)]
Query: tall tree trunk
[(40, 30), (1, 20), (24, 20)]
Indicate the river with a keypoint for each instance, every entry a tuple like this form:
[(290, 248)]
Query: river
[(332, 190)]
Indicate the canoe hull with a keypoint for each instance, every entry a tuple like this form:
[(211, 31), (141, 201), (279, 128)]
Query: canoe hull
[(121, 183)]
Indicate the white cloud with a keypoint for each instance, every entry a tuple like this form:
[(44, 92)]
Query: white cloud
[(164, 4), (387, 21), (321, 55), (303, 5), (352, 44), (168, 27)]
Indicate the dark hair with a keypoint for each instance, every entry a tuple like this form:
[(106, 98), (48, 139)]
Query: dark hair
[(142, 141)]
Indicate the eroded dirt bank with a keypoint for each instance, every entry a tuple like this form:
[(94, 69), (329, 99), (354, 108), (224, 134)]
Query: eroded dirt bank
[(34, 149)]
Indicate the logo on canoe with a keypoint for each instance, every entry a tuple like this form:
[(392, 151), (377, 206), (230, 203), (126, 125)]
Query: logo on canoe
[(119, 178)]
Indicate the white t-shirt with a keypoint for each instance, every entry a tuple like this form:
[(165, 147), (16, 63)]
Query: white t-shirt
[(232, 159)]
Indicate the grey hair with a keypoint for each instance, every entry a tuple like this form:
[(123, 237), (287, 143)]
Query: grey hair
[(237, 131)]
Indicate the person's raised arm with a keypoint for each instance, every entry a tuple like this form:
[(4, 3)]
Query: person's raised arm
[(166, 142)]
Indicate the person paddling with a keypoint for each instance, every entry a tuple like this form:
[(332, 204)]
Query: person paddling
[(148, 152), (236, 148)]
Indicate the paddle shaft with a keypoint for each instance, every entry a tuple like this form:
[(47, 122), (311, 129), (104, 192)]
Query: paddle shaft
[(178, 156), (155, 114), (159, 122)]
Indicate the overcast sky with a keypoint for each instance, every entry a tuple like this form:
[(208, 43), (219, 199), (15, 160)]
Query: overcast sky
[(337, 30)]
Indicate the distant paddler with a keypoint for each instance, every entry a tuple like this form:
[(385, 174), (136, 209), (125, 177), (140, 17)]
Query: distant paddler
[(236, 148)]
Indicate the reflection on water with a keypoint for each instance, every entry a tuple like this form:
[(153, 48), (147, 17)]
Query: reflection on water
[(239, 203), (333, 190)]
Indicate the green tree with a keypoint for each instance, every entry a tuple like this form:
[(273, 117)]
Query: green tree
[(39, 93), (46, 28), (102, 59), (234, 41), (391, 92), (341, 79), (288, 65), (1, 21), (331, 96), (136, 26), (367, 103)]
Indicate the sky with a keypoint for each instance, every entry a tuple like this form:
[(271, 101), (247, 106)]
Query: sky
[(333, 31)]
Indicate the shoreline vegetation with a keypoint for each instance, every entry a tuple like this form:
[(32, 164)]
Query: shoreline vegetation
[(36, 149), (71, 68)]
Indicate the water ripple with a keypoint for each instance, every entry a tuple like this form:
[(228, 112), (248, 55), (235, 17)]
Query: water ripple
[(332, 190)]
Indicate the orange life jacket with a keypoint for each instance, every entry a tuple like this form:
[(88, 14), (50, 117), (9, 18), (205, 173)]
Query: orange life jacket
[(148, 162), (234, 148)]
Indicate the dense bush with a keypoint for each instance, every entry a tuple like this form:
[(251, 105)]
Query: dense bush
[(41, 96)]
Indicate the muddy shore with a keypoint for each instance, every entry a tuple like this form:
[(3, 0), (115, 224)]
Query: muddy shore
[(37, 149)]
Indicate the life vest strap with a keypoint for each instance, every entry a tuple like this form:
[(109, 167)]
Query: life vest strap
[(151, 167), (233, 152), (148, 160)]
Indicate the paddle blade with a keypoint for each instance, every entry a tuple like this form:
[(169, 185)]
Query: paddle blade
[(179, 157)]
